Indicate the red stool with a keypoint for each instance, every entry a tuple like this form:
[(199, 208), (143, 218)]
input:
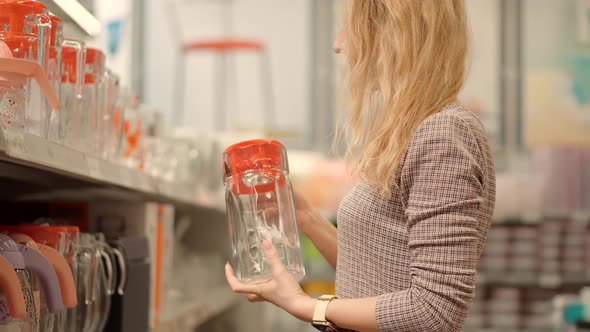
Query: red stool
[(222, 48)]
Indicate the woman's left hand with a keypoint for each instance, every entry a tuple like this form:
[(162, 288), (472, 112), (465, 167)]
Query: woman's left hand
[(282, 290)]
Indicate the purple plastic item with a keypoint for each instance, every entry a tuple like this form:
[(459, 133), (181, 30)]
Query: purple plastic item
[(22, 257)]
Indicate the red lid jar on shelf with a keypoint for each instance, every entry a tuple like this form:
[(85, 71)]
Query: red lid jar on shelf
[(72, 119), (94, 100), (25, 26)]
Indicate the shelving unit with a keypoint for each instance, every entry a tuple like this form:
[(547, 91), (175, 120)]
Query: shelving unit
[(35, 169), (34, 160), (75, 12), (187, 315)]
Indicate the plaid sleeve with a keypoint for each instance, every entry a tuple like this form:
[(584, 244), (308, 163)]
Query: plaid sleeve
[(442, 186)]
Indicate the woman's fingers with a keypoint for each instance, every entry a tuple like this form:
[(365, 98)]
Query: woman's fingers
[(236, 285), (254, 298), (272, 256)]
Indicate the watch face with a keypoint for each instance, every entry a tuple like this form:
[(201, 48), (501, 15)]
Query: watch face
[(325, 327), (320, 327)]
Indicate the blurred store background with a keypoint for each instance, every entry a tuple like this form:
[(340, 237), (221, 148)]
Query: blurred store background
[(194, 90)]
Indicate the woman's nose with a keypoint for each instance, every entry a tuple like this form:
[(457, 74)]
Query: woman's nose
[(338, 42)]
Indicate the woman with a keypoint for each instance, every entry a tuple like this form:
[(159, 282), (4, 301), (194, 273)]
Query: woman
[(411, 232)]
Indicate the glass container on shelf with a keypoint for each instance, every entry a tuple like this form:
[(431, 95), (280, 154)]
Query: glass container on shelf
[(259, 202), (71, 118), (25, 27), (94, 98), (133, 135), (111, 125), (85, 281), (106, 258), (15, 84), (54, 70)]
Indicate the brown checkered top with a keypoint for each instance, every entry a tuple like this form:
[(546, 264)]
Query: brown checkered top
[(418, 248)]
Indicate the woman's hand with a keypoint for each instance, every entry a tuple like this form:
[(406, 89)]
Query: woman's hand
[(307, 215), (317, 228), (282, 290)]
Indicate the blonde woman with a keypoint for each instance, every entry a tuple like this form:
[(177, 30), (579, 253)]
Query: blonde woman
[(411, 232)]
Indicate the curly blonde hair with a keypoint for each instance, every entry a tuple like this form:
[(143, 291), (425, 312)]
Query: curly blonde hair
[(406, 60)]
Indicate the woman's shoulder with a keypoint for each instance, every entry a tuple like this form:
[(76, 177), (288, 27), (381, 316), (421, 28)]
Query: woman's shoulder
[(453, 129), (454, 114), (453, 121)]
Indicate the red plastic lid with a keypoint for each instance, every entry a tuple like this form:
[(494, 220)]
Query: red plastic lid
[(13, 14), (70, 64), (73, 229), (34, 3), (95, 59), (226, 44), (256, 154), (21, 44), (264, 155), (49, 235), (69, 73), (94, 56), (56, 26), (89, 78)]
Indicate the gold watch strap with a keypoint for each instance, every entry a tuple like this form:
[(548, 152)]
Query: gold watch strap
[(321, 307)]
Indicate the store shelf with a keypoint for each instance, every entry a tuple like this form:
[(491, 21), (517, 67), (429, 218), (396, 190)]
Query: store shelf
[(516, 279), (187, 315), (75, 12), (30, 158), (533, 218)]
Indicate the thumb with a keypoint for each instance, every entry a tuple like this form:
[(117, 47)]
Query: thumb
[(272, 256)]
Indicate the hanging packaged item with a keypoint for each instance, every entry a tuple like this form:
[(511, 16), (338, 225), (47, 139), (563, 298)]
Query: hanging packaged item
[(49, 321), (259, 201), (24, 259), (56, 244), (12, 301)]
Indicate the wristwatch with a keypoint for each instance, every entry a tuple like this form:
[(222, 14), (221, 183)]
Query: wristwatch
[(319, 320)]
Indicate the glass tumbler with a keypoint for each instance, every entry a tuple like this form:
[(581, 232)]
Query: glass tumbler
[(259, 203)]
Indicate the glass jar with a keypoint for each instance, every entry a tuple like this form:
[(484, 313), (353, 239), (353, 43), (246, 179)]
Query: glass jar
[(54, 71), (13, 104), (87, 266), (259, 202), (71, 117), (26, 27), (94, 99)]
